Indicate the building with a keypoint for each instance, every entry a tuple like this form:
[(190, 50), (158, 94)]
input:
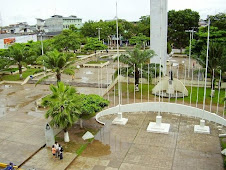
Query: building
[(58, 23), (72, 20), (19, 28), (202, 23), (8, 39), (158, 37)]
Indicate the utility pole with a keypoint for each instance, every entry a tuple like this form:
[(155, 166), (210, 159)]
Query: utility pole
[(99, 32)]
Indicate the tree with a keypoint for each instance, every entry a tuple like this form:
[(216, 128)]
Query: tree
[(217, 52), (90, 105), (20, 53), (108, 28), (58, 63), (67, 40), (73, 28), (143, 26), (94, 44), (219, 21), (139, 40), (216, 59), (178, 22), (136, 58), (63, 107)]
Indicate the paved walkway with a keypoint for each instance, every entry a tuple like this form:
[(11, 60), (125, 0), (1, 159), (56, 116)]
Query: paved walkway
[(21, 125), (21, 131), (132, 147), (44, 160)]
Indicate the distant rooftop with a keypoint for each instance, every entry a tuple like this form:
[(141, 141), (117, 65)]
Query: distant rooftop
[(2, 36)]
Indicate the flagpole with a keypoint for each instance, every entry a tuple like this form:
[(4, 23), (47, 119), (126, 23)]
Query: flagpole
[(207, 55), (197, 99), (119, 92), (219, 91), (211, 99)]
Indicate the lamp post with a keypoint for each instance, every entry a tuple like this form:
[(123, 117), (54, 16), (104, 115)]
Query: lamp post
[(191, 37), (41, 34), (99, 32)]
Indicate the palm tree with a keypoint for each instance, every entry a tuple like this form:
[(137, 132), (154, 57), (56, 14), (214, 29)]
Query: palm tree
[(20, 54), (58, 63), (63, 106), (136, 58)]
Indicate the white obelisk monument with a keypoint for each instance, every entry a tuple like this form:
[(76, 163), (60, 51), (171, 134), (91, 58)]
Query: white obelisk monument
[(158, 35), (158, 31)]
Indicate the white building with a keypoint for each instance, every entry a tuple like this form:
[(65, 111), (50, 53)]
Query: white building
[(8, 39), (19, 28), (159, 25), (58, 23), (72, 20)]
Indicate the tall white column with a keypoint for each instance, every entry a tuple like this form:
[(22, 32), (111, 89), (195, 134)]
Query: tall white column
[(158, 28)]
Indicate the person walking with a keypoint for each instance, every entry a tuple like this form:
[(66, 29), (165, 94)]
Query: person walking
[(53, 150), (56, 146), (61, 152)]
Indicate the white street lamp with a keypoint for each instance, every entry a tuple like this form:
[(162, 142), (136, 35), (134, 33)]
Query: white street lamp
[(41, 34), (99, 32), (191, 37)]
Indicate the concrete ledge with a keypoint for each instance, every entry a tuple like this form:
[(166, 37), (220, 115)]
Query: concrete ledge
[(96, 65)]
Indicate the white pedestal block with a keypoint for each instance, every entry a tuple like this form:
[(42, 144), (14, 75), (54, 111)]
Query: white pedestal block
[(158, 126), (202, 128), (119, 120)]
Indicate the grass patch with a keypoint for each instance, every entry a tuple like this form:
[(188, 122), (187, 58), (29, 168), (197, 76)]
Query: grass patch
[(10, 69), (104, 57), (186, 99), (77, 144), (16, 77), (81, 149), (96, 62)]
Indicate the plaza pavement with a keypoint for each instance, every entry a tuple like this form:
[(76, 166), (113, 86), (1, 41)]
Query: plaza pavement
[(21, 125), (132, 147)]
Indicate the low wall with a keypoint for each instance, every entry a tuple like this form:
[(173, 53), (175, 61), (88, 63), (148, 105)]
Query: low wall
[(164, 107)]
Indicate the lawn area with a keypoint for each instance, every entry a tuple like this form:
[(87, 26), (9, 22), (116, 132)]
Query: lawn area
[(76, 144), (10, 70), (96, 62), (16, 77), (186, 99)]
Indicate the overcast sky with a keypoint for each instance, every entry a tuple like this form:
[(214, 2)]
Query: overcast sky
[(13, 11)]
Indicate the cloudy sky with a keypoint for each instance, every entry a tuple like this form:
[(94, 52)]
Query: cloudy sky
[(13, 11)]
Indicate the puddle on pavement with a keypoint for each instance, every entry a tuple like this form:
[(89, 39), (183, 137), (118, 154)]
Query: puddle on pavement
[(6, 86), (88, 72), (105, 143), (2, 111), (38, 114), (84, 79), (11, 93), (12, 109)]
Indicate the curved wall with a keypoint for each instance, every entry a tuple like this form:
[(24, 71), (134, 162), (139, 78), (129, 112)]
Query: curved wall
[(164, 107)]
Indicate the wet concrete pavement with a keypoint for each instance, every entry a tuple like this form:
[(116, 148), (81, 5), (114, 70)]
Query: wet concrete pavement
[(21, 124), (21, 134), (132, 147)]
